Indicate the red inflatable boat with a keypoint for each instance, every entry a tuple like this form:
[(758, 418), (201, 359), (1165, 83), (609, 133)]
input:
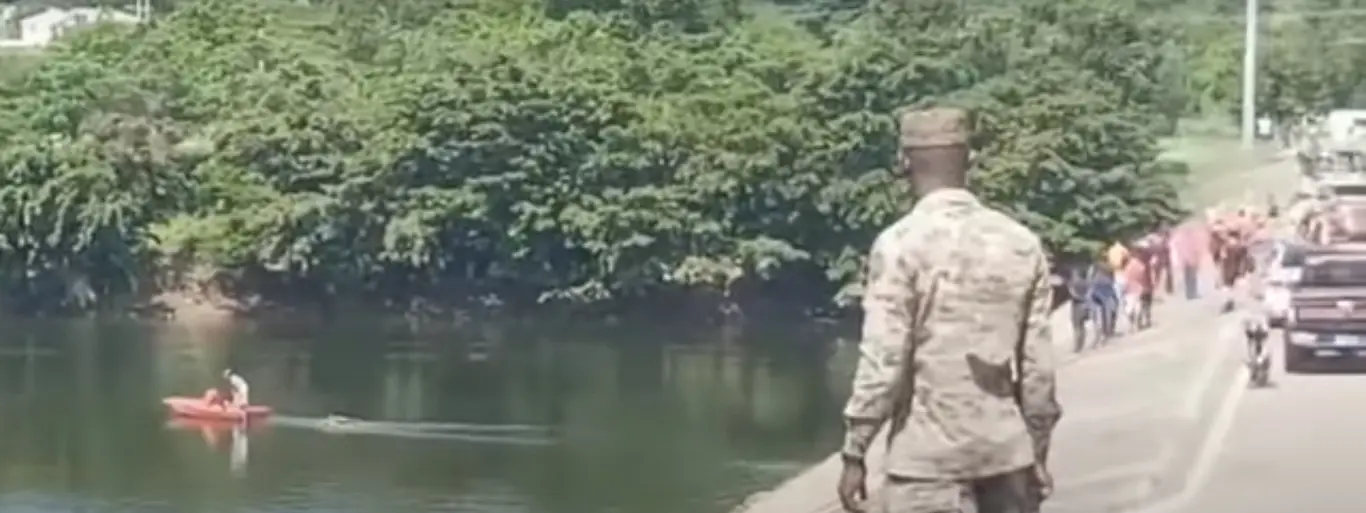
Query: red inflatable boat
[(197, 408)]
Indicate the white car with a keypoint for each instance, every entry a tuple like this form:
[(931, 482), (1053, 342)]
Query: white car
[(1283, 272)]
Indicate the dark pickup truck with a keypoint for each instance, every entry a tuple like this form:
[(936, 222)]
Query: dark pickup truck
[(1327, 318)]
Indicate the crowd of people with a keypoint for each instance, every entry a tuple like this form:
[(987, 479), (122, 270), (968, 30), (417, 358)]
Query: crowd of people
[(1123, 283)]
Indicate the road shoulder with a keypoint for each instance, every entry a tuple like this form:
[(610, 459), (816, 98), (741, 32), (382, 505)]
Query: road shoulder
[(1132, 411)]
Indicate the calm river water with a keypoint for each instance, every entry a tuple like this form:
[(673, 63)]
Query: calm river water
[(640, 421)]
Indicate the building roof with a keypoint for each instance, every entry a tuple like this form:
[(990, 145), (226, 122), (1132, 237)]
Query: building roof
[(57, 15), (104, 14), (49, 15)]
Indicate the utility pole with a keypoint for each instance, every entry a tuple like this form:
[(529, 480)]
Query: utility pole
[(1250, 75), (143, 10)]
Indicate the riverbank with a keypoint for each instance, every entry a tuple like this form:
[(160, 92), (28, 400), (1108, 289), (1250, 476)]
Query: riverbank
[(800, 288), (199, 305), (206, 298)]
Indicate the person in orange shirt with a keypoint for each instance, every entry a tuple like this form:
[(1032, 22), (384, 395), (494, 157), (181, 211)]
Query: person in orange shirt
[(1117, 255), (1139, 288)]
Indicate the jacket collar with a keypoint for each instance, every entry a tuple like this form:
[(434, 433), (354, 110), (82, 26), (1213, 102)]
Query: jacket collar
[(948, 197)]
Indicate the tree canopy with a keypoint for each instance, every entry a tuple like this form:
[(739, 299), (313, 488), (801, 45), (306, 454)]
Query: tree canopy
[(587, 151)]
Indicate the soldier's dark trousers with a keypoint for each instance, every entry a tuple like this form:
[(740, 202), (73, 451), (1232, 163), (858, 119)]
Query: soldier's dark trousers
[(1012, 492)]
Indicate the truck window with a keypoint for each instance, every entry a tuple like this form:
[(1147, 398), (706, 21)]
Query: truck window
[(1331, 274), (1349, 190)]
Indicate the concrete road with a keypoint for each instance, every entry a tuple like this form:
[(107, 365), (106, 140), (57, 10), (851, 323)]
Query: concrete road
[(1299, 446), (1134, 411)]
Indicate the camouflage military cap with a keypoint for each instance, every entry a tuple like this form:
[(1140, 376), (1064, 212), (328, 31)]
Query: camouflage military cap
[(928, 128)]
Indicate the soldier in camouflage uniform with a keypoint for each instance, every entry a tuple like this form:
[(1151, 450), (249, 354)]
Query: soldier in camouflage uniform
[(957, 355)]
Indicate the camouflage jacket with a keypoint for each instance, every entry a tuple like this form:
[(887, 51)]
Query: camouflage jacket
[(956, 351)]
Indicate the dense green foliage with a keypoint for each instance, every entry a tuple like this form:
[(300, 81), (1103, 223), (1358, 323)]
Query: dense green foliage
[(1310, 56), (591, 151)]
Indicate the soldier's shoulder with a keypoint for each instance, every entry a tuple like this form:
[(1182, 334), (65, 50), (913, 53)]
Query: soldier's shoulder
[(901, 233), (1008, 230)]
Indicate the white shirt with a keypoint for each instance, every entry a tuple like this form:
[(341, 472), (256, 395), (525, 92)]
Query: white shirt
[(240, 390)]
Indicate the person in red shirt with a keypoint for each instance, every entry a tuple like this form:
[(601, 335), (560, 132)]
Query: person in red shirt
[(1189, 243)]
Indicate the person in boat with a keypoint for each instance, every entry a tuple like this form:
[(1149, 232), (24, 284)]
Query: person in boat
[(238, 388), (218, 396)]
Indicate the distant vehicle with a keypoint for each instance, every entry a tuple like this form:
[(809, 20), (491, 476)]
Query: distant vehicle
[(1345, 125), (1340, 158), (1326, 321), (1335, 214)]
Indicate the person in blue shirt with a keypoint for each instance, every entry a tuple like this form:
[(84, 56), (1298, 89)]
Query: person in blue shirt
[(1104, 301)]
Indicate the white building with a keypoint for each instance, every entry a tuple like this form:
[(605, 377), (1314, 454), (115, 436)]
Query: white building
[(6, 16), (40, 29)]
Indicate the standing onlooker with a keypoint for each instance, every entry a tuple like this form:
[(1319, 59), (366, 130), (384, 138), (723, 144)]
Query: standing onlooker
[(1104, 302), (1117, 256), (1218, 239), (1082, 308), (957, 354), (1139, 287), (1162, 261), (1188, 246)]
